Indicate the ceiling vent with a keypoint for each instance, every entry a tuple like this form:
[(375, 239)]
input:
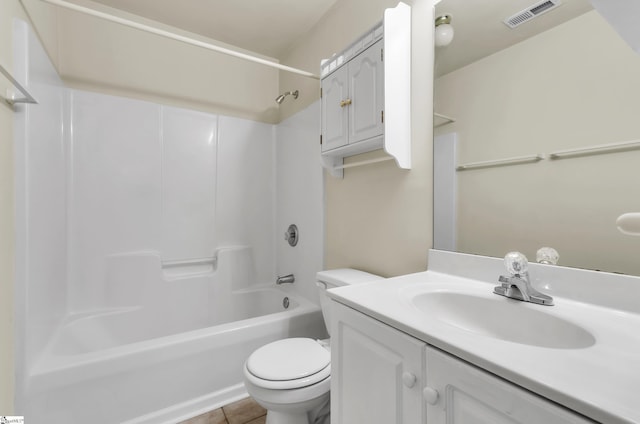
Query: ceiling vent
[(531, 12)]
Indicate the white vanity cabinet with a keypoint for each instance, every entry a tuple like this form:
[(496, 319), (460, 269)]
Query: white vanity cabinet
[(352, 103), (459, 393), (377, 372), (382, 375)]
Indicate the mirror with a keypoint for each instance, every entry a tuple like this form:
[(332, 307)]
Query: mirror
[(561, 81)]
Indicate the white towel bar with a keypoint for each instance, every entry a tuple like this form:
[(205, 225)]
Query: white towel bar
[(363, 162), (596, 150), (501, 162)]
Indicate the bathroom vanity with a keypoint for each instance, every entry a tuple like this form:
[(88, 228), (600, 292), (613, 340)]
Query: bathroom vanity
[(440, 347)]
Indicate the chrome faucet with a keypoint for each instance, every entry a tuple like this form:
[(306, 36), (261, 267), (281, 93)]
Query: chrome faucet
[(286, 279), (518, 286)]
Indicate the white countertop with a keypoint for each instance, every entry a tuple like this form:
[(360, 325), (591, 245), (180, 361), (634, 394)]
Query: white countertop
[(601, 382)]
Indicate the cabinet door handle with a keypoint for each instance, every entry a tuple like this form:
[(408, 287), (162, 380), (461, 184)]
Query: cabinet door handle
[(345, 102), (430, 395), (409, 379)]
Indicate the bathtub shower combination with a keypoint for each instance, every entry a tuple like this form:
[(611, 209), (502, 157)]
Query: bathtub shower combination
[(168, 360), (147, 252)]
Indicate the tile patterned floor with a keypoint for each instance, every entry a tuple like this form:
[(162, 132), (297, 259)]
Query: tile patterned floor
[(244, 411)]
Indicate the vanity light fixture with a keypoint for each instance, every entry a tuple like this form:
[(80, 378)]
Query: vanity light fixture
[(444, 31)]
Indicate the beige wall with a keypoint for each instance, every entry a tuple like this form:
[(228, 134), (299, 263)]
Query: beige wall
[(576, 85), (7, 11), (378, 218), (102, 56)]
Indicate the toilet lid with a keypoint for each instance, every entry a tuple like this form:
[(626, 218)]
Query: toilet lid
[(288, 359)]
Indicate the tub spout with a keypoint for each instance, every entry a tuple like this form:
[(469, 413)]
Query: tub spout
[(286, 279)]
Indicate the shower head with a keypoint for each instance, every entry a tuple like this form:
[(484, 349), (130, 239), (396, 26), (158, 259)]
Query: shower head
[(281, 97)]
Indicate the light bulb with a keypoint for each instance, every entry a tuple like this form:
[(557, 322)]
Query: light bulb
[(443, 35), (444, 31)]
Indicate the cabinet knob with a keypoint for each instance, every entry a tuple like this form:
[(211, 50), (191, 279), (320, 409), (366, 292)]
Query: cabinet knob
[(409, 379), (344, 103), (430, 395)]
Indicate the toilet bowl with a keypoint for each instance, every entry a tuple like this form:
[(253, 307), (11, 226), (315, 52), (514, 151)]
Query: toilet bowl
[(291, 378)]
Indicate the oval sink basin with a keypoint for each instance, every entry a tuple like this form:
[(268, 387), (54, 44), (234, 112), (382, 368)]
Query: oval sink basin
[(503, 319)]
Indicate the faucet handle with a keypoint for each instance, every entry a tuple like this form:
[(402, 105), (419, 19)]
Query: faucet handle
[(547, 255), (516, 263)]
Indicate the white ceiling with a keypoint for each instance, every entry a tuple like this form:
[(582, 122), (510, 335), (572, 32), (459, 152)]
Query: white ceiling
[(480, 31), (268, 27), (271, 27)]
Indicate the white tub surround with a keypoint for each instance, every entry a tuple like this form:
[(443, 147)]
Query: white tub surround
[(599, 380), (147, 249)]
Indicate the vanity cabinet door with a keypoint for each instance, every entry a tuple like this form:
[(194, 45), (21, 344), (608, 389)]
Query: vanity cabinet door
[(377, 372), (459, 393)]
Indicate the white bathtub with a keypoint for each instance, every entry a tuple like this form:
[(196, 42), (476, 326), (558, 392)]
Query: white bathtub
[(125, 366)]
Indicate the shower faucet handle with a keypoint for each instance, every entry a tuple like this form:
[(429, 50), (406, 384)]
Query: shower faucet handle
[(291, 235)]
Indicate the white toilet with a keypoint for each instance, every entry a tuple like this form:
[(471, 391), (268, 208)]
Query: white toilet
[(291, 378)]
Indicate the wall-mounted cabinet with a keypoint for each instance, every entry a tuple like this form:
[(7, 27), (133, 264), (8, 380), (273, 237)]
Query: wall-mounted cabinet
[(366, 95), (353, 104)]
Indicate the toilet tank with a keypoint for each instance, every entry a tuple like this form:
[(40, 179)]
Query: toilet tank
[(337, 278)]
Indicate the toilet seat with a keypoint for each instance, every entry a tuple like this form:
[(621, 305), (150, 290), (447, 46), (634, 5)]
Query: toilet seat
[(288, 364)]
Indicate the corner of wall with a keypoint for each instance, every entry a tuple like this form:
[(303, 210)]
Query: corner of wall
[(308, 88), (44, 21)]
